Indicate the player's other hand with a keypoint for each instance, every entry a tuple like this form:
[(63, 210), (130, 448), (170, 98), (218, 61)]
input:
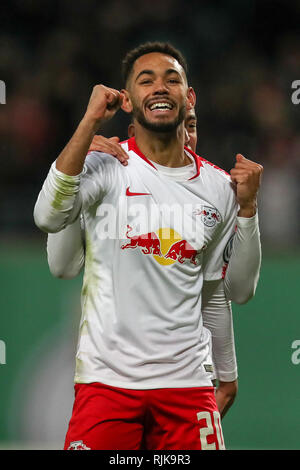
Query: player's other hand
[(104, 102), (225, 395), (110, 146), (246, 177)]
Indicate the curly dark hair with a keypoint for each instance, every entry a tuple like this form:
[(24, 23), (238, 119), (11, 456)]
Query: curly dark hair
[(147, 48)]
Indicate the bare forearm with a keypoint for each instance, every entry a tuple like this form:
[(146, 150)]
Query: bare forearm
[(248, 211), (225, 396), (71, 159), (103, 104)]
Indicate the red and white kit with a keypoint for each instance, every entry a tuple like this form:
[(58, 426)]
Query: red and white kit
[(151, 240)]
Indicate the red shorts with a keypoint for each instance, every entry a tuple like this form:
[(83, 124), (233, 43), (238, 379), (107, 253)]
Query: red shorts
[(112, 418)]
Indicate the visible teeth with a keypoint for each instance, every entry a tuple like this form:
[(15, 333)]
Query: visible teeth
[(161, 106)]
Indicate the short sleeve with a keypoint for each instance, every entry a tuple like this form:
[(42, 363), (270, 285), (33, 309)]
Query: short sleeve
[(216, 255)]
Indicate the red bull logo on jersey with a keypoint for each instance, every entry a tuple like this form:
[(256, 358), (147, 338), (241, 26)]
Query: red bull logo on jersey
[(182, 251), (148, 242), (166, 246)]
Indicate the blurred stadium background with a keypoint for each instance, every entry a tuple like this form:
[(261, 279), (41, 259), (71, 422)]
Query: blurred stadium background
[(243, 58)]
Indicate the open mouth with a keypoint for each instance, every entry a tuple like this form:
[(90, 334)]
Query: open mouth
[(161, 106)]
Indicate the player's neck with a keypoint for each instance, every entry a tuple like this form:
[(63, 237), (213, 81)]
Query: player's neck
[(166, 149)]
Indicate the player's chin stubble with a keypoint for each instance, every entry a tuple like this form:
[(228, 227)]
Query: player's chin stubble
[(163, 127)]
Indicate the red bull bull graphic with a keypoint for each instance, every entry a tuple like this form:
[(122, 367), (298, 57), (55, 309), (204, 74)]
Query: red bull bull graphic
[(166, 246), (148, 242), (182, 251)]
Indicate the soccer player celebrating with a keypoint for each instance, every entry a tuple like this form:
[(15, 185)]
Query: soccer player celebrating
[(143, 363), (66, 256)]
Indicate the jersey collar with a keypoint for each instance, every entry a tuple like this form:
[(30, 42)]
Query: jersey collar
[(133, 146)]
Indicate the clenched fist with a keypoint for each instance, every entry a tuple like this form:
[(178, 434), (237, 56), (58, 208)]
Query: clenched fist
[(246, 177), (103, 104)]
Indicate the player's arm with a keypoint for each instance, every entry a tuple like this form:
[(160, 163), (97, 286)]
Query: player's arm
[(59, 201), (103, 104), (217, 318), (66, 251), (225, 395), (243, 269)]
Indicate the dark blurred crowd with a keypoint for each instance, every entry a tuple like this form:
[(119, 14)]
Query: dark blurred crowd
[(242, 57)]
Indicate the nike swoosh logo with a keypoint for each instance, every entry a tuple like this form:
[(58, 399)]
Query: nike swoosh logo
[(129, 193)]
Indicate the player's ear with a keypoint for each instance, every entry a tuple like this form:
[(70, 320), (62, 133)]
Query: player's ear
[(126, 101), (131, 130), (191, 99)]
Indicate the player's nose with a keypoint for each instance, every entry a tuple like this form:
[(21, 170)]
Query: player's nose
[(160, 86)]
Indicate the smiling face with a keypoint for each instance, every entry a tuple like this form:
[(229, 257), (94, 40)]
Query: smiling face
[(157, 92)]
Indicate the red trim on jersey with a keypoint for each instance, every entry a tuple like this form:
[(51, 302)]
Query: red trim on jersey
[(213, 165), (132, 146), (124, 141), (197, 161), (224, 269)]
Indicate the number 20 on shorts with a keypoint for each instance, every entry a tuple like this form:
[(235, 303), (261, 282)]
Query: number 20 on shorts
[(210, 429)]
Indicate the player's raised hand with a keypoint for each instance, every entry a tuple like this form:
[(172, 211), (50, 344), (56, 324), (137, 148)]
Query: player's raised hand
[(103, 104), (111, 146), (246, 176)]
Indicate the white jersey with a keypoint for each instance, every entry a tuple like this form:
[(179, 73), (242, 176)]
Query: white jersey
[(151, 241)]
